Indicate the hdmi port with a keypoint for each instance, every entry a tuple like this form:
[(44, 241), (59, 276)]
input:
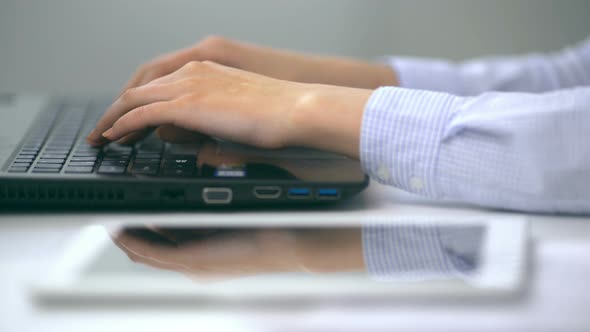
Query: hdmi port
[(267, 192)]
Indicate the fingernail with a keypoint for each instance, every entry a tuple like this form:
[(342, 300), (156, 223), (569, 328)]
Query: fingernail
[(107, 133)]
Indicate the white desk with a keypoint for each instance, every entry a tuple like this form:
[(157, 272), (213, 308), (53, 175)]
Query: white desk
[(558, 295)]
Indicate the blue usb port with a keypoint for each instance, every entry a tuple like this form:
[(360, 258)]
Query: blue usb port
[(299, 193), (328, 193)]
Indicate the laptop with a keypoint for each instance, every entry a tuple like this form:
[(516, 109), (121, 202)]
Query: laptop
[(45, 161)]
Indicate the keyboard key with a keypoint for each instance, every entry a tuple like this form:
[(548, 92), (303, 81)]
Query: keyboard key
[(116, 158), (116, 148), (76, 159), (82, 149), (180, 157), (20, 165), (81, 163), (46, 170), (147, 161), (83, 146), (29, 150), (53, 166), (150, 150), (85, 154), (56, 151), (24, 160), (148, 144), (59, 146), (148, 156), (179, 172), (168, 165), (18, 169), (79, 169), (54, 156), (26, 155), (114, 162), (51, 161), (145, 169), (117, 152), (111, 169)]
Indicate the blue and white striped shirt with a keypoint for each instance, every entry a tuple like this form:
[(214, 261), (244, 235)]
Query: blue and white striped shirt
[(510, 133)]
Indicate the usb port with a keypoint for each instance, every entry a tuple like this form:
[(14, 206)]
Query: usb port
[(328, 193), (267, 192), (298, 193)]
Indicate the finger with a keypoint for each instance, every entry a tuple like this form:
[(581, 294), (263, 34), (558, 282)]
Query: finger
[(150, 261), (145, 252), (128, 101), (145, 74), (133, 82), (120, 241), (134, 137), (175, 134), (151, 115), (166, 65), (177, 75), (150, 77)]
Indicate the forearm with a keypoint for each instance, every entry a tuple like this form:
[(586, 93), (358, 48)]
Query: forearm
[(567, 68), (347, 72)]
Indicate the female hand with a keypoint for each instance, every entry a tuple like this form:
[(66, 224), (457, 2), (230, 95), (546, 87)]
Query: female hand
[(240, 106), (270, 62), (280, 64)]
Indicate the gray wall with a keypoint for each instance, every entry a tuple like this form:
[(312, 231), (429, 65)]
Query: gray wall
[(92, 46)]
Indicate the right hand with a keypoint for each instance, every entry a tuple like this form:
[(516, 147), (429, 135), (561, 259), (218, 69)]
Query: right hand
[(280, 64)]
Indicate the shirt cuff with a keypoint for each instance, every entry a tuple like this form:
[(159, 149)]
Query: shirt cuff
[(401, 136), (418, 252)]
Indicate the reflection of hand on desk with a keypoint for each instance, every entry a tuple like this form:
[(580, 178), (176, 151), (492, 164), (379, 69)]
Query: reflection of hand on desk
[(230, 253)]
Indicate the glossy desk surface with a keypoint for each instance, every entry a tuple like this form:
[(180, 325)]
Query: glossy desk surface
[(557, 294)]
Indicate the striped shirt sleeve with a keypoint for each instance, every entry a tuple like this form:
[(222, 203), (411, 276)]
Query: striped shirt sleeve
[(536, 73), (422, 251), (510, 150)]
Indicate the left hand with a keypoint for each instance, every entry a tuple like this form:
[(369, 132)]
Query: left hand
[(240, 106)]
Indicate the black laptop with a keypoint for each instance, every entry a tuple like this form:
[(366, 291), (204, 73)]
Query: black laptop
[(45, 161)]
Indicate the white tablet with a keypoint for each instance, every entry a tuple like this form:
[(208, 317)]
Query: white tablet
[(92, 269)]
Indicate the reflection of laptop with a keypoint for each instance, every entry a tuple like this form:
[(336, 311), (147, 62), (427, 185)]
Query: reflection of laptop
[(44, 160)]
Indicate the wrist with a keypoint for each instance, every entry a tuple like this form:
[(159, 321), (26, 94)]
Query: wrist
[(328, 118)]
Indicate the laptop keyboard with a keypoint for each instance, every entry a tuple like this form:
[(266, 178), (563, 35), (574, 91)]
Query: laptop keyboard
[(56, 145)]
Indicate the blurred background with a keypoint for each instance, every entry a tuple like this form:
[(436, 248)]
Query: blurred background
[(91, 47)]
